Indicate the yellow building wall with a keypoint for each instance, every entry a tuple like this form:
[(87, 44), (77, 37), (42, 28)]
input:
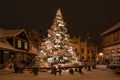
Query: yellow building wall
[(90, 51)]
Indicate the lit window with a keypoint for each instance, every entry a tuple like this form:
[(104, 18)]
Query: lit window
[(118, 50), (25, 46), (19, 44)]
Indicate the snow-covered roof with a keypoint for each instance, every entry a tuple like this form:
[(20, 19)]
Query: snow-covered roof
[(111, 29), (12, 32), (7, 33), (6, 45)]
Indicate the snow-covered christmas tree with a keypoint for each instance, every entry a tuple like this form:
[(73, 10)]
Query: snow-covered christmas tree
[(58, 47)]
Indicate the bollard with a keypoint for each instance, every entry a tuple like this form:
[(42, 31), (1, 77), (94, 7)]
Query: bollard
[(54, 70), (35, 71), (71, 71), (94, 66), (80, 69), (60, 71), (76, 70)]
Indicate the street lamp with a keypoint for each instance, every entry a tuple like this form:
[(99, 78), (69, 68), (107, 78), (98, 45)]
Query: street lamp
[(101, 57)]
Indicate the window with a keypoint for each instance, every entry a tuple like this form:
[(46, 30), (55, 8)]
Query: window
[(19, 56), (77, 53), (103, 41), (118, 50), (25, 45), (116, 36), (112, 51), (107, 39), (19, 44), (112, 54), (82, 50), (88, 58), (75, 49), (82, 57), (2, 39)]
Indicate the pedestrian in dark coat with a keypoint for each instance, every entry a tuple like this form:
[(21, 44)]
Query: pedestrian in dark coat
[(16, 68), (60, 70), (54, 70)]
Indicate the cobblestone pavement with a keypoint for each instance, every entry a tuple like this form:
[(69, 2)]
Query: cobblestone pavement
[(101, 73)]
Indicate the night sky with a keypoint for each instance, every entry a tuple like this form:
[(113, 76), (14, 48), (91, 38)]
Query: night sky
[(82, 16)]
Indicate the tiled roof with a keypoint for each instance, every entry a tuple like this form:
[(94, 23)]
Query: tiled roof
[(12, 32), (111, 29)]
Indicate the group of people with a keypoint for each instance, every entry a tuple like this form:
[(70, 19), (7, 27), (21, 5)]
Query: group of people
[(55, 70), (18, 66)]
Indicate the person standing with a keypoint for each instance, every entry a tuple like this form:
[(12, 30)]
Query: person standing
[(54, 70), (60, 70), (16, 68)]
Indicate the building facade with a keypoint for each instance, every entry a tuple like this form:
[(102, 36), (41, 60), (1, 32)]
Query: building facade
[(76, 42), (14, 46), (86, 51), (111, 42), (34, 37)]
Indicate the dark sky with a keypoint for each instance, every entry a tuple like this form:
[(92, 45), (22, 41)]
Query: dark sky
[(82, 16)]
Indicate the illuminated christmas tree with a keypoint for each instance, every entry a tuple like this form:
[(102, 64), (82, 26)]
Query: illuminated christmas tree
[(58, 47)]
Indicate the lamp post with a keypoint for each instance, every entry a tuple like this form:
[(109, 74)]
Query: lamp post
[(101, 57)]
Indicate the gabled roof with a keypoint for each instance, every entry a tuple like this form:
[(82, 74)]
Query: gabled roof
[(111, 29), (12, 32), (33, 31)]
